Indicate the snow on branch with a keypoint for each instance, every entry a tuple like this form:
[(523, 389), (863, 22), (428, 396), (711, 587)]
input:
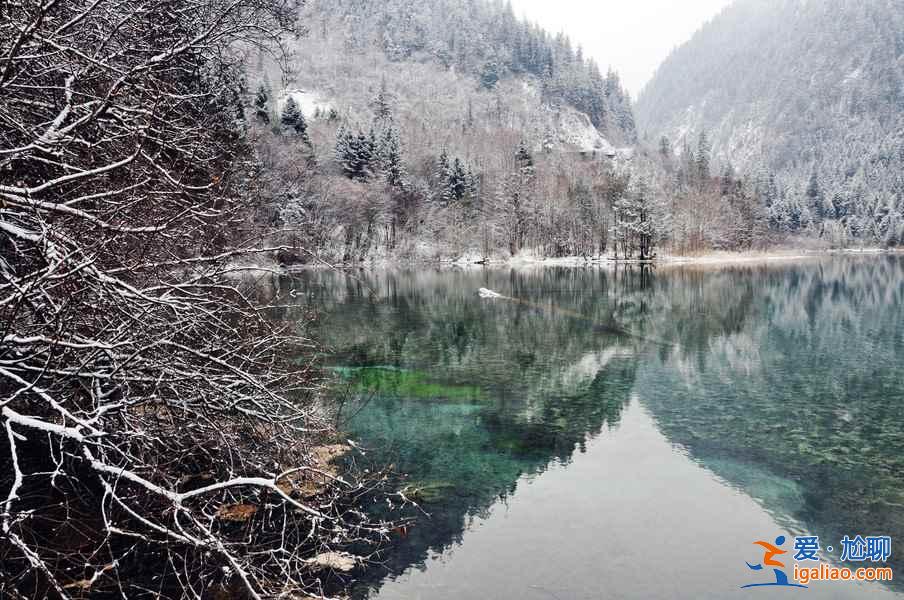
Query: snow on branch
[(158, 433)]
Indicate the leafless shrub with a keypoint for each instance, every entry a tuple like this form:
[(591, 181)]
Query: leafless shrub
[(157, 441)]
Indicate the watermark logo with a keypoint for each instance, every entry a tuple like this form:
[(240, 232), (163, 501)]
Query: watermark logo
[(809, 565), (769, 560)]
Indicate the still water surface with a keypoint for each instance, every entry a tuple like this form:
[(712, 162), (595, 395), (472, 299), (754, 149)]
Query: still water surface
[(625, 434)]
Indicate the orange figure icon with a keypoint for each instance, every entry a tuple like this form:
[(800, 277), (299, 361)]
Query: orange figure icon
[(771, 552)]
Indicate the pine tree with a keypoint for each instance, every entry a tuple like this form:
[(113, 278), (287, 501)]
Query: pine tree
[(840, 205), (356, 154), (703, 157), (490, 75), (457, 184), (342, 144), (665, 147), (344, 151), (524, 158), (391, 159), (261, 104), (290, 113), (442, 172), (293, 120), (514, 197), (364, 155), (473, 188), (795, 217), (816, 201), (381, 104)]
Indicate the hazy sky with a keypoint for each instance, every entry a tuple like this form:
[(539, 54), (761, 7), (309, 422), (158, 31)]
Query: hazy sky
[(633, 36)]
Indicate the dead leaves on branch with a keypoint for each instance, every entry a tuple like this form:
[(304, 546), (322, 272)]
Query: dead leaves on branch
[(238, 513), (319, 476), (305, 483)]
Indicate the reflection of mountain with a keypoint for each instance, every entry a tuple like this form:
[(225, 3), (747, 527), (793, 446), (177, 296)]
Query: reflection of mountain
[(802, 406), (547, 383), (782, 380)]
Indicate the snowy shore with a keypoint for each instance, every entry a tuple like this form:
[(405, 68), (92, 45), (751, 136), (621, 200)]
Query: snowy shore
[(664, 260), (530, 260)]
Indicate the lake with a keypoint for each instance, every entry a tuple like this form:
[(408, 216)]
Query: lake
[(624, 433)]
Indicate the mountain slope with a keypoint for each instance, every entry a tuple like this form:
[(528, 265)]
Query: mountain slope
[(807, 94), (486, 40), (442, 129)]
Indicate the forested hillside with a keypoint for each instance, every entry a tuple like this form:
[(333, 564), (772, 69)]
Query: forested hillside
[(443, 129), (805, 98), (486, 40)]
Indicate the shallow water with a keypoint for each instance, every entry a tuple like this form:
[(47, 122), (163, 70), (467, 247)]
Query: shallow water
[(624, 434)]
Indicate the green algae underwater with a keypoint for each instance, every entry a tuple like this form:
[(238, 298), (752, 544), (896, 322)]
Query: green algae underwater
[(780, 384)]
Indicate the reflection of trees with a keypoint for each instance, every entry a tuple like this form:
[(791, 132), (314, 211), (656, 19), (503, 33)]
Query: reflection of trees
[(783, 380), (810, 391), (470, 456), (550, 381)]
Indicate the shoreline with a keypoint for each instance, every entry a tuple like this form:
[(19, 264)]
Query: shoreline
[(714, 259)]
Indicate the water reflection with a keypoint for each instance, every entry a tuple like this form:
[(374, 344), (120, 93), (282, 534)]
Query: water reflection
[(783, 382)]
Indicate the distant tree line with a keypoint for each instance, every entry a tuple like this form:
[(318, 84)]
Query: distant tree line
[(487, 40), (806, 98)]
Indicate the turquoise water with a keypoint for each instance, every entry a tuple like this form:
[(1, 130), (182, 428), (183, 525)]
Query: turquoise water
[(623, 434)]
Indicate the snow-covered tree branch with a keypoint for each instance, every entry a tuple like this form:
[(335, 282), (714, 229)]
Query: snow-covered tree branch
[(158, 439)]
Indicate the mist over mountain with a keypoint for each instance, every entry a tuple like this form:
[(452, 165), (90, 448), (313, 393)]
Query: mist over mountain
[(804, 96)]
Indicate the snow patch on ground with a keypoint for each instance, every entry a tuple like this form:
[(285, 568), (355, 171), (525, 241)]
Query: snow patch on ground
[(469, 257), (311, 103), (574, 129), (727, 258)]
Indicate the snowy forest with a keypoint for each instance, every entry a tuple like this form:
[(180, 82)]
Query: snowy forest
[(805, 99), (492, 140), (165, 431), (447, 129)]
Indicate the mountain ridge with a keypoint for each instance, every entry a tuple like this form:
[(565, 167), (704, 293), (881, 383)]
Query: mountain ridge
[(809, 95)]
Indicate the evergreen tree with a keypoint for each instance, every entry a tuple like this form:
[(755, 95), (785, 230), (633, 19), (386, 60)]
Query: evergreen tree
[(795, 217), (841, 209), (816, 201), (703, 157), (515, 197), (356, 154), (290, 113), (442, 170), (342, 144), (454, 179), (635, 226), (365, 155), (489, 75), (473, 188), (391, 159), (524, 158), (665, 147), (293, 120), (261, 105), (381, 104)]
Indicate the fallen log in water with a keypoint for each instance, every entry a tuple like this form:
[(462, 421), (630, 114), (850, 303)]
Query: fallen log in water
[(489, 294)]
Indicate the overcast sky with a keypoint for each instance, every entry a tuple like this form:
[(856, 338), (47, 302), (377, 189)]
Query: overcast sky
[(633, 36)]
